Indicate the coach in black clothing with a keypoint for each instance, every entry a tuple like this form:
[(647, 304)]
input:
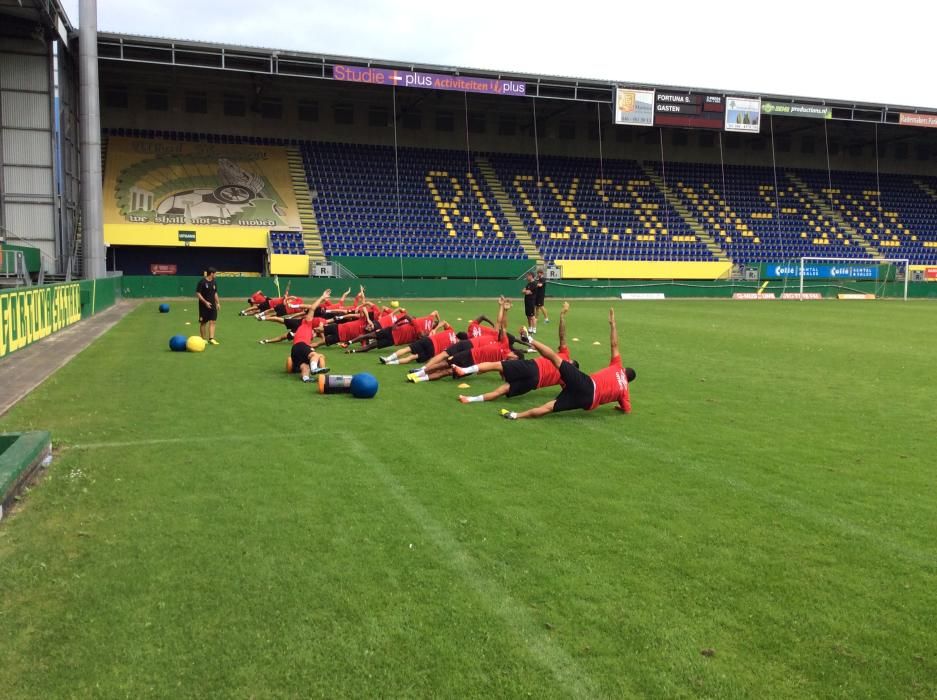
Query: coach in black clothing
[(541, 296), (530, 298), (208, 305)]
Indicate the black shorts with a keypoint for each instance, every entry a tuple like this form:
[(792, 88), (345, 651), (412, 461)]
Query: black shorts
[(280, 310), (422, 348), (300, 355), (522, 376), (330, 332), (462, 359), (206, 314), (293, 324), (540, 299), (529, 305), (384, 338), (461, 346), (264, 305), (578, 392)]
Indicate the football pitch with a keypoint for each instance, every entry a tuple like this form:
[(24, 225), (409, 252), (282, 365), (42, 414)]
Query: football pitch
[(762, 525)]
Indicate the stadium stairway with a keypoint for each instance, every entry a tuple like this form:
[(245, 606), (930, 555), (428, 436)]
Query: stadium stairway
[(717, 252), (834, 217), (510, 212), (307, 215)]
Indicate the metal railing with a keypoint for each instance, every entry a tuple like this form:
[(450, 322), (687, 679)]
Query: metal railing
[(13, 268)]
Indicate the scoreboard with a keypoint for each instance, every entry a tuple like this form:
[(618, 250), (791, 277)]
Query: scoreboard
[(689, 110)]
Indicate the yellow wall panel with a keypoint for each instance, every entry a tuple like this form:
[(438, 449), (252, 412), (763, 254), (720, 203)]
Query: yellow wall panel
[(644, 269)]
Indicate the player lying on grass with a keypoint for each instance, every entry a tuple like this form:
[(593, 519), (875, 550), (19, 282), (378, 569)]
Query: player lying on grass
[(487, 352), (520, 376), (425, 347), (291, 325), (342, 333), (405, 331), (440, 365), (303, 357), (581, 390), (476, 329)]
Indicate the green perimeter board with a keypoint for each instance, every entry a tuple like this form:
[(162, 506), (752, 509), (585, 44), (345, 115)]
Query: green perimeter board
[(144, 286)]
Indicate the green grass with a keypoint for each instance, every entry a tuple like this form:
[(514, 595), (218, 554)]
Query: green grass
[(211, 527)]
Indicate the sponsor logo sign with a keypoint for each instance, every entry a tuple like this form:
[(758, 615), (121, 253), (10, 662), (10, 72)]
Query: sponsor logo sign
[(634, 107), (743, 114), (812, 271), (32, 314), (753, 296), (162, 269), (430, 81), (910, 119), (805, 296), (855, 296), (786, 109)]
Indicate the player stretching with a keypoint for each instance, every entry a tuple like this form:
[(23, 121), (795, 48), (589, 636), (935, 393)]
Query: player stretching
[(581, 390), (520, 376)]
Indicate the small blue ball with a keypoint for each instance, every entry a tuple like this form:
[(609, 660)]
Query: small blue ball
[(177, 343), (164, 308), (363, 385)]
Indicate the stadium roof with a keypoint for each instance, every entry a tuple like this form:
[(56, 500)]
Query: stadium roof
[(296, 64)]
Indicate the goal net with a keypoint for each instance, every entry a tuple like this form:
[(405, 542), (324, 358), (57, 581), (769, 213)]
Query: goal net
[(886, 278)]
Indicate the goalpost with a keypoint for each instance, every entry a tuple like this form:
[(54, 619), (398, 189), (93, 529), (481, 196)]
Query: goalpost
[(882, 271)]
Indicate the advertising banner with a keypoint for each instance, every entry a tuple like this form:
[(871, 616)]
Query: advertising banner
[(743, 114), (634, 107), (930, 273), (926, 120), (28, 315), (753, 296), (430, 81), (785, 109), (806, 296), (818, 271)]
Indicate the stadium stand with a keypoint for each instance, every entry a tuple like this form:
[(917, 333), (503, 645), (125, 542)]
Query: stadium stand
[(445, 207), (581, 209), (586, 209)]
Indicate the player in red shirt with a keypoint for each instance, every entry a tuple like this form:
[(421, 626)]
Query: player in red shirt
[(422, 349), (521, 376), (405, 331), (487, 352), (440, 361), (334, 333), (585, 391), (303, 357)]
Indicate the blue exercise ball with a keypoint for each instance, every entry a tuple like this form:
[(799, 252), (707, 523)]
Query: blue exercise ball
[(363, 385), (164, 308), (177, 343)]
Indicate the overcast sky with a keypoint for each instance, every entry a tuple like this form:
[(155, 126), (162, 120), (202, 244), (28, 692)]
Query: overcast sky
[(813, 48)]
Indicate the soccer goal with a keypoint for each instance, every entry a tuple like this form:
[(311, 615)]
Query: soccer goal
[(890, 275)]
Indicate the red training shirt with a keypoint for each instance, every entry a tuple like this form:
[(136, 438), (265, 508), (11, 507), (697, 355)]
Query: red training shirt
[(611, 384)]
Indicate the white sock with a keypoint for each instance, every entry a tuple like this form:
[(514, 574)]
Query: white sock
[(391, 360), (421, 372), (470, 370), (307, 379), (314, 365), (475, 399), (421, 378)]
